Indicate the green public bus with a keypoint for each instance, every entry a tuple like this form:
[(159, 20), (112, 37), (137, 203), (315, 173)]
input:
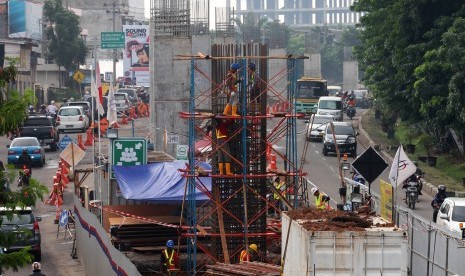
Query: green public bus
[(309, 90)]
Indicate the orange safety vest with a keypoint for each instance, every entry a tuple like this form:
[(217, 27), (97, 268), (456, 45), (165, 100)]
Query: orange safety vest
[(169, 264), (245, 256)]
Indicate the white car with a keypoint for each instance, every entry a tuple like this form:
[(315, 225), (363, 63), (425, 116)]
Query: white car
[(452, 213), (317, 123), (72, 118)]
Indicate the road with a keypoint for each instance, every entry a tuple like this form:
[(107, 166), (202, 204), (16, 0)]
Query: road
[(56, 260), (323, 171)]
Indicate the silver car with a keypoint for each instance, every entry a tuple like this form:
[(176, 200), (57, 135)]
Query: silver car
[(316, 126), (123, 103)]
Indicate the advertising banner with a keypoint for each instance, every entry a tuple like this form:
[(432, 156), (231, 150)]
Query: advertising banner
[(136, 54), (386, 200), (22, 26)]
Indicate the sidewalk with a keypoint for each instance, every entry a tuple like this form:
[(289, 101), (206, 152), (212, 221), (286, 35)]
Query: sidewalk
[(366, 140)]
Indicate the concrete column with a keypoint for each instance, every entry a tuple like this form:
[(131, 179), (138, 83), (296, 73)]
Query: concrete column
[(202, 44), (312, 66), (171, 87), (275, 66), (350, 75)]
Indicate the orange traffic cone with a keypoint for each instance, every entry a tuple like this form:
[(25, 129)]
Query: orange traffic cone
[(80, 142), (124, 121), (64, 170), (132, 113), (115, 125), (64, 163), (64, 180), (89, 138)]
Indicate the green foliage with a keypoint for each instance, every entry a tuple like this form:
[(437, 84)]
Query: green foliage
[(412, 55), (66, 47), (296, 45)]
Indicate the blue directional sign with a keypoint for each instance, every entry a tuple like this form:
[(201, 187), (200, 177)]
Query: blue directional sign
[(65, 141), (63, 221)]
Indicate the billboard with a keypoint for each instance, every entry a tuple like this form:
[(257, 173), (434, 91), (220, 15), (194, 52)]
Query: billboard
[(22, 26), (136, 54)]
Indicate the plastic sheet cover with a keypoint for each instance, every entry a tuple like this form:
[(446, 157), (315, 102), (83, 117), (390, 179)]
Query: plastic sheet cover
[(158, 181)]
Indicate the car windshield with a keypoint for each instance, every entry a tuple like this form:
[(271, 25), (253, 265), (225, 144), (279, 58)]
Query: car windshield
[(69, 112), (360, 94), (127, 91), (25, 142), (36, 122), (321, 120), (330, 104), (341, 130), (459, 213), (120, 97), (20, 218), (85, 106)]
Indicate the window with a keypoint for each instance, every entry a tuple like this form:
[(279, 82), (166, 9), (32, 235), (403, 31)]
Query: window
[(37, 122), (341, 130), (21, 218), (458, 213), (444, 208), (332, 105), (25, 142), (69, 112)]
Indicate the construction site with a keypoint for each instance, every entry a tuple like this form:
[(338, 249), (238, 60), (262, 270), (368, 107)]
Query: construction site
[(237, 97)]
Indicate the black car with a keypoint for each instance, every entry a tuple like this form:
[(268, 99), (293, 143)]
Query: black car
[(44, 128), (345, 138), (25, 225)]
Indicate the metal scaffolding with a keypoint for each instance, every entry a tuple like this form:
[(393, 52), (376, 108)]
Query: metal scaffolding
[(236, 214)]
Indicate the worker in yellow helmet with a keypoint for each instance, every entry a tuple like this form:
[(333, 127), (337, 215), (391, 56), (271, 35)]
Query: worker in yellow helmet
[(250, 254)]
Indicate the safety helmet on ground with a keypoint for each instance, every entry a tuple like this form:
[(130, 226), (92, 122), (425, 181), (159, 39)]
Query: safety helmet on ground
[(235, 66), (441, 188), (36, 266), (313, 190), (252, 66), (254, 247), (170, 244)]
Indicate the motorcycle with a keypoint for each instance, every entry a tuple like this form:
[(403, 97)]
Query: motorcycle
[(350, 112), (24, 176), (411, 194)]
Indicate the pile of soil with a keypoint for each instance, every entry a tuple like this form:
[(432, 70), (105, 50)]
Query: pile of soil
[(330, 220)]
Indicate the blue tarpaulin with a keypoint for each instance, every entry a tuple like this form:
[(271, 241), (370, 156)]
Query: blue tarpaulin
[(158, 181)]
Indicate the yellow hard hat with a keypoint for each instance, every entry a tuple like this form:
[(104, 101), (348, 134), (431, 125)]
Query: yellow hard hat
[(254, 247)]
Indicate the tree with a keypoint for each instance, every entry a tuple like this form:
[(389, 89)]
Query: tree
[(12, 113), (65, 45), (400, 57), (251, 27)]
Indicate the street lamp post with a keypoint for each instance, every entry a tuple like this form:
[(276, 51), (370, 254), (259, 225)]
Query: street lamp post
[(115, 8)]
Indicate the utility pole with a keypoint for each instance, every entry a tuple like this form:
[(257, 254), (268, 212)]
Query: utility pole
[(114, 8)]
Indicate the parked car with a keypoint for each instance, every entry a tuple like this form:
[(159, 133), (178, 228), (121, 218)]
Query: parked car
[(72, 118), (34, 149), (132, 94), (318, 125), (123, 103), (25, 225), (44, 128), (452, 213), (345, 138)]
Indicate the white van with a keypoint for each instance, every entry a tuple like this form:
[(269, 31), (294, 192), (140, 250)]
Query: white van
[(331, 106), (333, 89)]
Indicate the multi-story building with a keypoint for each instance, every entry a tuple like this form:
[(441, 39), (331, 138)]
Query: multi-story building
[(302, 13)]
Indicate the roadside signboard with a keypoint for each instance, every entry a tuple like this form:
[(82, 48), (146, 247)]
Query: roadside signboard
[(385, 189), (128, 152), (112, 40), (369, 164), (78, 76), (72, 154), (181, 152), (63, 221), (64, 142)]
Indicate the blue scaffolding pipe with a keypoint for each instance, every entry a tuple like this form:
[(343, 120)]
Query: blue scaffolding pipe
[(192, 214)]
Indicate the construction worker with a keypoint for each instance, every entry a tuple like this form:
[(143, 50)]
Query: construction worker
[(321, 200), (250, 254), (224, 153), (169, 257), (253, 87), (231, 90), (279, 185)]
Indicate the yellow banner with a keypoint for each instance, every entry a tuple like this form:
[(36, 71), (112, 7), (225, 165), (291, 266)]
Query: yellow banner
[(386, 200)]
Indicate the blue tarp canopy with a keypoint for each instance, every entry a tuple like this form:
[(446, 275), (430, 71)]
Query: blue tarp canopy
[(158, 181)]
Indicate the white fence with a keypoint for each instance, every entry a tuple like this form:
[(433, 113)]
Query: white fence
[(433, 251), (94, 248)]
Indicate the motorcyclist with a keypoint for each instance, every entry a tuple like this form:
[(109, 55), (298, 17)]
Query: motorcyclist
[(25, 160), (43, 109), (438, 200), (416, 177)]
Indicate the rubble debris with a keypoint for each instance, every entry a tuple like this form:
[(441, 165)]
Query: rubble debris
[(331, 220)]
